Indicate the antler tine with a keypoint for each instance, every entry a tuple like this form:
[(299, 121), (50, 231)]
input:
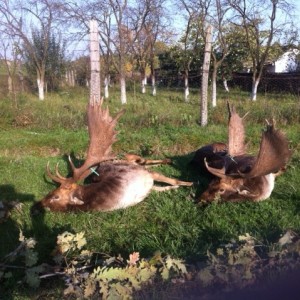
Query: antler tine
[(274, 153), (58, 174), (58, 178), (217, 172), (71, 163), (236, 133)]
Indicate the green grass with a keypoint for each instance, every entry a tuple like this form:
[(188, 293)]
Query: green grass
[(37, 132)]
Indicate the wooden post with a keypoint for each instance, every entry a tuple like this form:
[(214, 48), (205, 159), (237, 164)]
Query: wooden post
[(95, 86), (205, 76)]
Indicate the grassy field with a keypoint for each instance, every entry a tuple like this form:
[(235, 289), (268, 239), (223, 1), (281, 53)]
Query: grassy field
[(164, 126)]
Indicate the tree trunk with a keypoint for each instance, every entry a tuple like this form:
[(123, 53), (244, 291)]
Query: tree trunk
[(143, 81), (10, 84), (123, 89), (225, 85), (214, 88), (106, 86), (41, 84), (71, 76), (153, 83), (255, 83), (205, 75), (143, 86), (186, 86), (21, 78)]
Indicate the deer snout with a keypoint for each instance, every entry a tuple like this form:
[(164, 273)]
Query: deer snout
[(37, 208)]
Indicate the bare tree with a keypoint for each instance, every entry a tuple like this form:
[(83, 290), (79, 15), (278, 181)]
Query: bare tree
[(260, 22), (144, 46), (141, 50), (220, 45), (129, 21), (158, 25), (19, 18), (10, 56), (193, 33), (120, 24)]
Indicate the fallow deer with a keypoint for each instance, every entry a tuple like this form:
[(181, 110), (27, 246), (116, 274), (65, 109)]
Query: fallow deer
[(118, 184), (239, 176)]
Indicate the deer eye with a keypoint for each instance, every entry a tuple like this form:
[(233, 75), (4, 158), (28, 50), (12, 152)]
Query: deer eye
[(221, 191)]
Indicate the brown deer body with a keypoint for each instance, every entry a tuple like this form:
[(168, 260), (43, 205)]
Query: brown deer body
[(118, 184), (239, 176)]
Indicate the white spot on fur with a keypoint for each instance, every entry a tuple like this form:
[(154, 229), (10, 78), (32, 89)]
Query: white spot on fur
[(270, 183), (136, 188)]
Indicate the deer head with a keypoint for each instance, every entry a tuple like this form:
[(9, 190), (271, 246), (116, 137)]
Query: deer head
[(244, 176), (102, 134)]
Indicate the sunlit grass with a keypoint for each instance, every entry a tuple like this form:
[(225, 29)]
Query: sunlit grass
[(37, 132)]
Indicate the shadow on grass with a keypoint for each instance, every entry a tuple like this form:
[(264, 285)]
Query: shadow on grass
[(13, 220), (190, 172), (9, 230)]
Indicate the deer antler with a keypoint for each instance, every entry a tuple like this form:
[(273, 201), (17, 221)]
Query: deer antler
[(102, 135), (217, 172), (236, 142), (236, 133), (274, 153)]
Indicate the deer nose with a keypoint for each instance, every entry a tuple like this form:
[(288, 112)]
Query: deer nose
[(36, 209)]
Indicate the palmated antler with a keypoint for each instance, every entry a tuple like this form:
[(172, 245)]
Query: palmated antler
[(236, 133), (236, 142), (274, 153), (102, 134)]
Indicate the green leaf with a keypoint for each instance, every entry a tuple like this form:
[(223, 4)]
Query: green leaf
[(32, 278), (146, 274), (80, 240), (21, 236), (90, 288), (120, 291), (176, 264), (165, 274), (31, 257), (104, 289)]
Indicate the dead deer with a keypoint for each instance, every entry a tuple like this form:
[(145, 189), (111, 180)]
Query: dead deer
[(118, 184), (239, 176)]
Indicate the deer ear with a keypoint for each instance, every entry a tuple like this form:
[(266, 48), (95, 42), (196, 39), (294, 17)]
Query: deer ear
[(75, 201)]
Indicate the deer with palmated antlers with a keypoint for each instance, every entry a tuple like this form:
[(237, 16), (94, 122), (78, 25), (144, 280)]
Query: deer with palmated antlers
[(118, 184), (237, 175)]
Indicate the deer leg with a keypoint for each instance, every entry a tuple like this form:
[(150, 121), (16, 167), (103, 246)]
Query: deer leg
[(136, 159), (165, 188), (172, 181)]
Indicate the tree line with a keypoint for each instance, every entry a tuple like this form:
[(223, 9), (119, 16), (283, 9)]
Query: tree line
[(143, 36)]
